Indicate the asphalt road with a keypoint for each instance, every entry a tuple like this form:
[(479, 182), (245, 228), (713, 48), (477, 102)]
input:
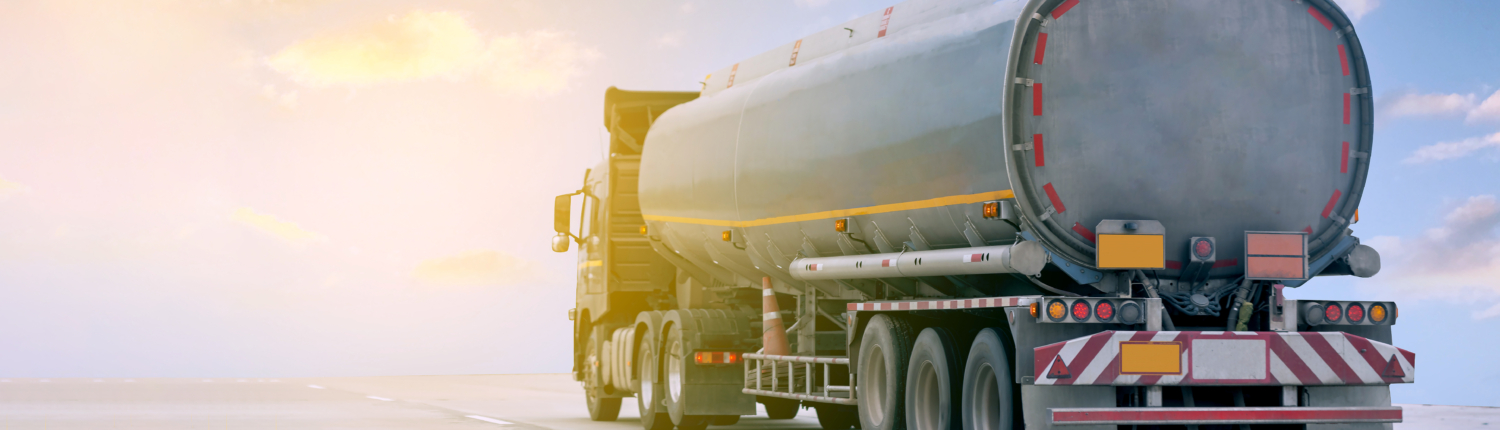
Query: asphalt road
[(512, 402)]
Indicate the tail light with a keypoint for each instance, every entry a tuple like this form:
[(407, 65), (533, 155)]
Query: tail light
[(1332, 312), (1104, 310), (1355, 313), (1081, 310), (716, 357)]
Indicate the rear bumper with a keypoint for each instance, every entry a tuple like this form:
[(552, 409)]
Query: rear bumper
[(1183, 416)]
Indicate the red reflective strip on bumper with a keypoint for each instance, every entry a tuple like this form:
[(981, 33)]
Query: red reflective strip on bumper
[(1286, 415)]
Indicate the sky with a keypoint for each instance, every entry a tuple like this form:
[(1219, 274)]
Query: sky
[(336, 188)]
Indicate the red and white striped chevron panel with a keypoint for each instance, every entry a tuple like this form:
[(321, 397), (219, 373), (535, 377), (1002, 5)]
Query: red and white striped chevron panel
[(920, 305), (1225, 358)]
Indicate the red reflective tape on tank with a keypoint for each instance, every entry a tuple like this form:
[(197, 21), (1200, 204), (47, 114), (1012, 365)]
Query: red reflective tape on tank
[(1036, 100), (1329, 208), (1041, 48), (1307, 229), (732, 71), (1313, 10), (1036, 145), (885, 21), (797, 47), (1057, 205), (1083, 231), (1346, 108), (1226, 263), (1294, 363), (1344, 60), (1063, 8), (1173, 265), (1344, 160)]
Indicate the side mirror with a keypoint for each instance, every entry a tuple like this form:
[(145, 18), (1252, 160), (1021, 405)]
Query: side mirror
[(560, 242), (560, 215)]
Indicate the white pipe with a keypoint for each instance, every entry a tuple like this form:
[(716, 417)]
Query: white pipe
[(1026, 258)]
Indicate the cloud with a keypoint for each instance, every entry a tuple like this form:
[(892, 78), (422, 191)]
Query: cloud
[(1458, 260), (812, 3), (1489, 110), (1357, 9), (8, 188), (1451, 150), (670, 40), (434, 45), (1416, 104), (687, 7), (287, 231), (286, 100), (481, 267)]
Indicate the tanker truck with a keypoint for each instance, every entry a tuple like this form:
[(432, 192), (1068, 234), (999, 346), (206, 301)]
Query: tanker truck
[(990, 214)]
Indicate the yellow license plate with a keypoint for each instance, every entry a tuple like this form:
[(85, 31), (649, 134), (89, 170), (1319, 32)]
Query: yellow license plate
[(1150, 358)]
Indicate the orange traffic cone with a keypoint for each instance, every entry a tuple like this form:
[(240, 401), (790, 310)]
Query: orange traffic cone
[(773, 333)]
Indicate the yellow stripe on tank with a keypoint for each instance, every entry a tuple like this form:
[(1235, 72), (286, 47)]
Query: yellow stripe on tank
[(867, 210), (591, 263)]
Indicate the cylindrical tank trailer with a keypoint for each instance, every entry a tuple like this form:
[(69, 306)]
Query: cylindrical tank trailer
[(1037, 212)]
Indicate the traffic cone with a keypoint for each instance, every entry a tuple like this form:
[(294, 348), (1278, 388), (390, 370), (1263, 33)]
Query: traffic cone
[(773, 332)]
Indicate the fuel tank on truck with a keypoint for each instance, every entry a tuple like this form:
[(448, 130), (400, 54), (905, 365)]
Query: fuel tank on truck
[(1214, 118)]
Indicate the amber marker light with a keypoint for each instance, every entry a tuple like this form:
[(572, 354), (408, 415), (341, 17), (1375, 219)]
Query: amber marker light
[(1056, 310), (1036, 310), (1377, 313), (841, 225), (727, 235), (990, 210), (643, 230)]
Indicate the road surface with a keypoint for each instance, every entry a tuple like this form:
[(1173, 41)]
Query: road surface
[(496, 402)]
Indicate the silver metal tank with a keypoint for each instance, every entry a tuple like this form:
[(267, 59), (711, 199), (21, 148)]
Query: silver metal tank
[(1214, 118)]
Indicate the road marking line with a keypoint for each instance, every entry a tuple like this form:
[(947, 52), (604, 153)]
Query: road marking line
[(491, 420), (381, 399), (315, 386)]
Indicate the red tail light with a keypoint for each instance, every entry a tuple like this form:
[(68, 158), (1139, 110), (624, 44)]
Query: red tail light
[(1080, 310), (1104, 310), (1333, 312), (1356, 313)]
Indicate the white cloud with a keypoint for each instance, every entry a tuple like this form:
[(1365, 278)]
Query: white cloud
[(670, 40), (812, 3), (1357, 9), (434, 45), (1489, 110), (1458, 260), (481, 267), (1451, 150), (285, 230), (8, 188), (687, 7), (1417, 104)]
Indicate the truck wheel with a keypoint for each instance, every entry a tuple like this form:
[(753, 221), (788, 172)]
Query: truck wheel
[(930, 387), (647, 396), (781, 409), (675, 363), (725, 420), (600, 408), (837, 417), (883, 355), (987, 403)]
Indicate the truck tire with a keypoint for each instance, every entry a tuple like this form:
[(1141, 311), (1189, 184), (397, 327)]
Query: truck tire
[(987, 397), (883, 355), (837, 417), (781, 409), (931, 382), (648, 395), (725, 420), (674, 364), (600, 408)]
